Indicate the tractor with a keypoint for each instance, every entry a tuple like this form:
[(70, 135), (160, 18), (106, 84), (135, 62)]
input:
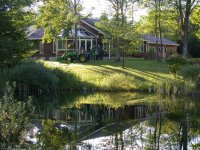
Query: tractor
[(72, 55), (82, 55)]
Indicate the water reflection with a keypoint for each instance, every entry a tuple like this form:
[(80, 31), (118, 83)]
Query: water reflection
[(124, 121)]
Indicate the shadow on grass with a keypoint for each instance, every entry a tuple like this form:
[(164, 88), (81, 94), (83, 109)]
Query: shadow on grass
[(134, 63), (124, 72)]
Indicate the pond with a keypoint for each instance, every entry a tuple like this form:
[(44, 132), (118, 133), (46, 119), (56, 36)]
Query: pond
[(124, 121)]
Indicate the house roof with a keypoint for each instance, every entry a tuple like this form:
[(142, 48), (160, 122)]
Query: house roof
[(82, 33), (91, 22), (37, 34), (152, 39)]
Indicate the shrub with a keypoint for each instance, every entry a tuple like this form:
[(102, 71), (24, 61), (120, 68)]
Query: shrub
[(137, 53), (174, 68), (177, 60), (175, 64), (197, 84), (190, 72), (14, 119)]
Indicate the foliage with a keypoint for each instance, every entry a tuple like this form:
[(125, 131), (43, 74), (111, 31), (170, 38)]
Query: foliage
[(177, 60), (174, 68), (194, 45), (57, 16), (31, 75), (175, 63), (170, 29), (137, 53), (14, 119), (54, 138), (13, 22), (118, 31), (190, 72)]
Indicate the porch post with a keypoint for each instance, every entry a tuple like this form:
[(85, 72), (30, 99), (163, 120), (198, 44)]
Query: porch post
[(56, 49), (91, 44), (79, 47)]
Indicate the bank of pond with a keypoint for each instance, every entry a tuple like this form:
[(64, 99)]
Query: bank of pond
[(39, 77)]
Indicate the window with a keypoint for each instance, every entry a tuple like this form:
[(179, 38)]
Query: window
[(62, 44), (159, 49), (70, 44)]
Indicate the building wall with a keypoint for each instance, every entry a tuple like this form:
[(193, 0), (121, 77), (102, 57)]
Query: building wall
[(168, 50), (45, 50)]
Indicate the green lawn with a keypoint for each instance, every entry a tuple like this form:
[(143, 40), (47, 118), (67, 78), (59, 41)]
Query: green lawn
[(109, 75)]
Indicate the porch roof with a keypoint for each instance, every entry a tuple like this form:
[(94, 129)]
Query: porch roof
[(152, 39)]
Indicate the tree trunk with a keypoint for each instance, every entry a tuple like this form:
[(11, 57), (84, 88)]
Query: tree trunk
[(185, 20), (159, 27), (186, 28), (156, 28)]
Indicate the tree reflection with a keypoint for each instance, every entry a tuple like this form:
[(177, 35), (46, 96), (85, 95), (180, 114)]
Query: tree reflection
[(55, 137)]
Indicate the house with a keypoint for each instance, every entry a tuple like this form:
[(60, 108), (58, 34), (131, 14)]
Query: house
[(88, 36), (165, 49)]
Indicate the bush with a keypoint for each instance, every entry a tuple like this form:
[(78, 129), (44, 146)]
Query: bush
[(177, 60), (175, 64), (137, 53), (190, 72), (14, 119), (174, 68)]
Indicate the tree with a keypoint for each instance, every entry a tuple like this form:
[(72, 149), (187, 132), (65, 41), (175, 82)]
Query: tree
[(14, 20), (14, 119), (58, 17), (168, 21), (185, 9), (53, 137), (118, 31)]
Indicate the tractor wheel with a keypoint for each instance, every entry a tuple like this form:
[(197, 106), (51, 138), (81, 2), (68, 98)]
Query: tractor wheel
[(69, 60), (82, 58)]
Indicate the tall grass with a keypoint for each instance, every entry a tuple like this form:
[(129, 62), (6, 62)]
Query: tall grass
[(30, 76)]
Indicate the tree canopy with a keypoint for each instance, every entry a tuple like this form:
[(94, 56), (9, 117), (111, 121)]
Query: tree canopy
[(57, 17), (14, 20)]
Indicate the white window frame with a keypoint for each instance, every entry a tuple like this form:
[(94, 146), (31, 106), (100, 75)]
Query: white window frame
[(54, 47)]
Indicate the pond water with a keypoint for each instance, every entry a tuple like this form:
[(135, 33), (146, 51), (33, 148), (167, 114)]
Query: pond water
[(117, 121)]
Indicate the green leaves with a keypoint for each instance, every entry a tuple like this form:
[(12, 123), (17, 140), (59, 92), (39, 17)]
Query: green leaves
[(13, 24), (14, 119), (56, 16)]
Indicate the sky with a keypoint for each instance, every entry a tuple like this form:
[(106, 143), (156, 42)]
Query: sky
[(96, 7)]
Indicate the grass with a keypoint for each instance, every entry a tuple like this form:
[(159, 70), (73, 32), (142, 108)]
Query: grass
[(110, 76)]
